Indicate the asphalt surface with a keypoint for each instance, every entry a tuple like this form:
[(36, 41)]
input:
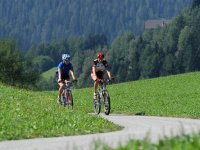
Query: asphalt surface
[(135, 127)]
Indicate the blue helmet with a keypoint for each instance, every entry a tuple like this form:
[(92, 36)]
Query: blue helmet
[(66, 57)]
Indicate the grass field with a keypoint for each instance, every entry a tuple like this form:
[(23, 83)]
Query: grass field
[(177, 96), (28, 114), (50, 73)]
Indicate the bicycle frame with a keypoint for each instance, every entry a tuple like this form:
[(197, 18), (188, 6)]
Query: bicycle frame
[(67, 94), (102, 98), (102, 87)]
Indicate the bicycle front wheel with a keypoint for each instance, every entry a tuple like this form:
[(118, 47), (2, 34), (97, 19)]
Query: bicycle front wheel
[(97, 105), (106, 103), (69, 99)]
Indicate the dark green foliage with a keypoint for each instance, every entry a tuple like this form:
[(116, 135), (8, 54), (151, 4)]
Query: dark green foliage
[(167, 50), (43, 63), (93, 41), (14, 69), (195, 3), (158, 52), (118, 55), (164, 51), (33, 22)]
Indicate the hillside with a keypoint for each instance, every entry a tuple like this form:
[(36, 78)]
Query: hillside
[(171, 49), (29, 114), (50, 73), (31, 22)]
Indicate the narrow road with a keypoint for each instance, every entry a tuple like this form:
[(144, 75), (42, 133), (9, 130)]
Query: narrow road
[(135, 127)]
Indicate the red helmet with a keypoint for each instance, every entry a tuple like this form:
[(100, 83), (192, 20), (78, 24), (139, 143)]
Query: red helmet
[(100, 55)]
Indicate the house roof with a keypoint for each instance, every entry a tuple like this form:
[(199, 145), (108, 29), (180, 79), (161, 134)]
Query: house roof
[(152, 24)]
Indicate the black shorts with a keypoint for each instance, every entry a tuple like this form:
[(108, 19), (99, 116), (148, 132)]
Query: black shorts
[(65, 77), (99, 74)]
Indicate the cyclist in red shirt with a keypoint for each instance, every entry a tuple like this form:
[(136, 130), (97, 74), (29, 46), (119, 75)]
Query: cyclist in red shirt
[(98, 67)]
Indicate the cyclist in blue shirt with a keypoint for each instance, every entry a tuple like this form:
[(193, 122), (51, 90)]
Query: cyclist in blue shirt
[(64, 68)]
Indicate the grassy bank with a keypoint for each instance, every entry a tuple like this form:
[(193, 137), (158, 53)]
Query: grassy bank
[(177, 96), (28, 114)]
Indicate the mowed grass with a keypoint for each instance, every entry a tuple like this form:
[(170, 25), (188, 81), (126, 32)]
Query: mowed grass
[(28, 114), (177, 96)]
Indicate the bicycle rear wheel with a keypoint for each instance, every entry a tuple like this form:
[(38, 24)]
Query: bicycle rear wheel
[(97, 105), (106, 103)]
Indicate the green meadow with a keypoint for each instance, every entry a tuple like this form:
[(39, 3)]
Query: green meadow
[(176, 96), (50, 73), (28, 114), (31, 114)]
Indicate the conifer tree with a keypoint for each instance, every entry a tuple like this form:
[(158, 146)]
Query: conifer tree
[(195, 3)]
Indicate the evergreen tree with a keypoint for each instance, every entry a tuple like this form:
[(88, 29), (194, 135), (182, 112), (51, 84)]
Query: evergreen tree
[(14, 69), (195, 3)]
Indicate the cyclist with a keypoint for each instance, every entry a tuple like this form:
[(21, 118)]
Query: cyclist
[(98, 67), (64, 67)]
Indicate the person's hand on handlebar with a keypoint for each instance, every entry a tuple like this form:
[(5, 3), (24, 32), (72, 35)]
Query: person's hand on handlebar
[(59, 80), (111, 79), (75, 80)]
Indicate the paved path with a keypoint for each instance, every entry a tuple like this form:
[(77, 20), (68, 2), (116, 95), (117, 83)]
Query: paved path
[(135, 127)]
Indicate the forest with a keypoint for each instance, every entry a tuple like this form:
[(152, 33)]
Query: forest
[(33, 22), (167, 50)]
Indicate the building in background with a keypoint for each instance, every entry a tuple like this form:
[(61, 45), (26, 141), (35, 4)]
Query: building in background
[(152, 24)]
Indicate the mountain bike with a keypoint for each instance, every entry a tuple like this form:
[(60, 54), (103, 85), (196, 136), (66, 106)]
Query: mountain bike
[(103, 98), (67, 97)]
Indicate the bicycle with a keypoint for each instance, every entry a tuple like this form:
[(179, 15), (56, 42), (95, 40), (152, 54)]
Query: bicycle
[(67, 97), (103, 98)]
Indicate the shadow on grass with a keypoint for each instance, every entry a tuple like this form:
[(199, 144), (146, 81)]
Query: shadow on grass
[(140, 113)]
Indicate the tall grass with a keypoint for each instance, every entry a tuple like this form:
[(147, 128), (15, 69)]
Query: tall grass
[(184, 142)]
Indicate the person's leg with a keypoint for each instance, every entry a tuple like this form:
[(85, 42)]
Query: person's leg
[(61, 87), (60, 90), (95, 85)]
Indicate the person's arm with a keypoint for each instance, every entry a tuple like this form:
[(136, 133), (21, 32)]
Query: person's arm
[(73, 74), (108, 70), (59, 75), (94, 73), (109, 74)]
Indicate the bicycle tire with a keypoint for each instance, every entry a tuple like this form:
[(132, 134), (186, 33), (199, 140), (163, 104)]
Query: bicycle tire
[(97, 105), (107, 105), (71, 102), (63, 100), (69, 99)]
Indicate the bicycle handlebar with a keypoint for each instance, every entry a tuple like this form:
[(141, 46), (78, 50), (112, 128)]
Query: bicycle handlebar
[(66, 81), (105, 81), (70, 82)]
